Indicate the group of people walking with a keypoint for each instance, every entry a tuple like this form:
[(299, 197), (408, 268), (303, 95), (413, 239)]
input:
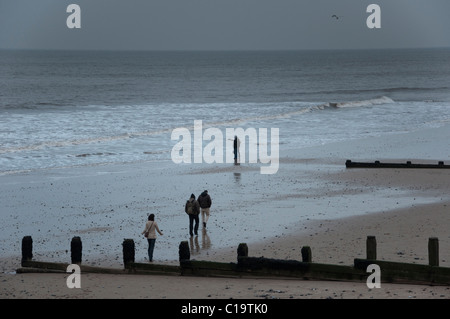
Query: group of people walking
[(192, 208)]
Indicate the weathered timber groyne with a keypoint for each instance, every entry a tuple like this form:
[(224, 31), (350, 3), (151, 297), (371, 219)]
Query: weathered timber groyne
[(378, 164), (259, 267)]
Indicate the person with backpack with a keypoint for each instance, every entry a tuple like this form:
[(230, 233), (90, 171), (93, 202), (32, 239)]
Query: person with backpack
[(192, 208), (205, 202)]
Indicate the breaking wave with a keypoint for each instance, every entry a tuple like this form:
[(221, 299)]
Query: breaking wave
[(377, 101), (294, 110)]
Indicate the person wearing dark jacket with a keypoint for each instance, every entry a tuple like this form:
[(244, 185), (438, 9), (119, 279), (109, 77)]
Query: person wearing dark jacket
[(192, 208), (236, 146), (205, 204)]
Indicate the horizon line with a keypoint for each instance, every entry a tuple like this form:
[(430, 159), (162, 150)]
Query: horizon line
[(223, 50)]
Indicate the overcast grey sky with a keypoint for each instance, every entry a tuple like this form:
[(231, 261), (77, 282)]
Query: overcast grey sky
[(223, 24)]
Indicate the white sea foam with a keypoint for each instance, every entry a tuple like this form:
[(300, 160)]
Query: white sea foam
[(117, 107), (287, 110), (370, 102), (125, 135)]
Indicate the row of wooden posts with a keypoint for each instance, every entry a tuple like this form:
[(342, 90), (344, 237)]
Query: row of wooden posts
[(246, 266), (76, 248), (128, 245), (433, 250)]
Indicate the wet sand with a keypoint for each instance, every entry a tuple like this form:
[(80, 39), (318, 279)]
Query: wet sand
[(312, 201)]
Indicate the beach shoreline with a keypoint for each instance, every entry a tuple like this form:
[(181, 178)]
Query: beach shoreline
[(312, 201), (332, 242)]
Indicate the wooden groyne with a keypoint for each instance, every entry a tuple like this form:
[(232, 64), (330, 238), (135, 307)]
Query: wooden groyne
[(391, 272), (378, 164), (128, 252), (258, 267)]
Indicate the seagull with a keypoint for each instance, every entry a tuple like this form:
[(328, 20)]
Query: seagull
[(335, 16)]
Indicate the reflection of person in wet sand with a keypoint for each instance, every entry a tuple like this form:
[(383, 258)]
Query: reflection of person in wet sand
[(194, 245), (206, 241), (237, 177)]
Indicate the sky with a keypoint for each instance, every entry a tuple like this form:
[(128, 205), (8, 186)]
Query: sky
[(223, 24)]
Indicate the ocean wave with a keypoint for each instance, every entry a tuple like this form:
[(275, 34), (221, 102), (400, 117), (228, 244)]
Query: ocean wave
[(415, 89), (381, 91), (299, 110), (377, 101), (291, 109), (93, 140)]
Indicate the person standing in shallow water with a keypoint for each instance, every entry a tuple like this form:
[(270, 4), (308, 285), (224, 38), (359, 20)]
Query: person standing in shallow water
[(192, 208), (236, 146), (150, 233)]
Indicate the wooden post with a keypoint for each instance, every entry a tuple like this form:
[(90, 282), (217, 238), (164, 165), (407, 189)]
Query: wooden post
[(27, 248), (242, 250), (306, 254), (371, 248), (76, 248), (433, 251), (128, 251), (183, 251)]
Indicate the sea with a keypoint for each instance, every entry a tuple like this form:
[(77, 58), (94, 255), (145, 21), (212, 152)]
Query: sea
[(68, 118), (63, 109)]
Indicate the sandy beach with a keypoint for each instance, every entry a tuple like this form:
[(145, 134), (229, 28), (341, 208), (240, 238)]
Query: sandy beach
[(336, 242), (312, 201)]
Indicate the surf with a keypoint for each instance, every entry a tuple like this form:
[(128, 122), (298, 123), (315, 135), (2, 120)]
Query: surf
[(290, 109), (363, 103)]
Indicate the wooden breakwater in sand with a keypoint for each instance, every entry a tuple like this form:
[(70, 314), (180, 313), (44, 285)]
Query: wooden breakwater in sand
[(408, 164), (257, 267)]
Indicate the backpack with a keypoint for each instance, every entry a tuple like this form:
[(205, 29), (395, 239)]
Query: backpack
[(190, 207)]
